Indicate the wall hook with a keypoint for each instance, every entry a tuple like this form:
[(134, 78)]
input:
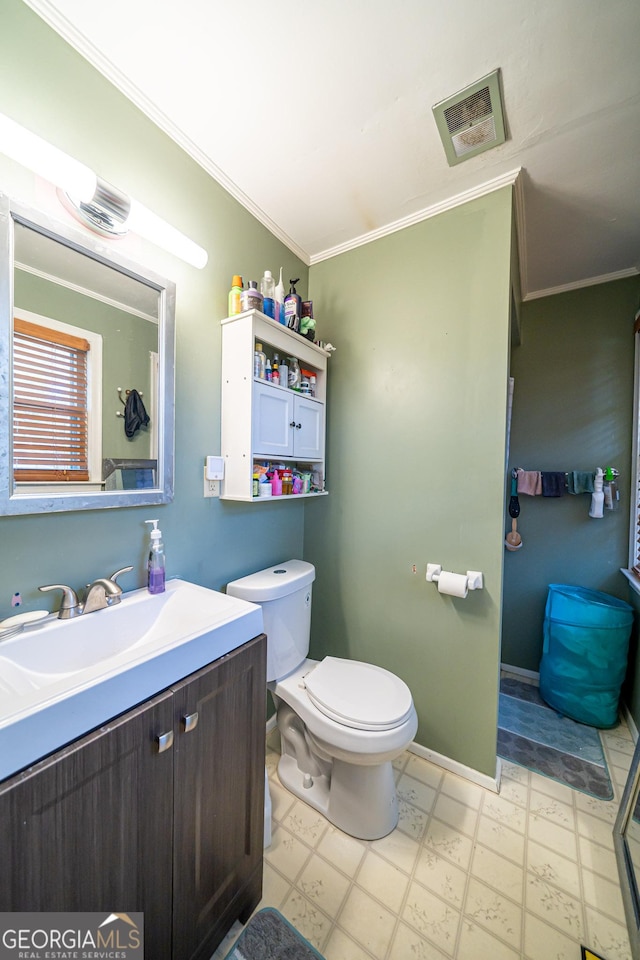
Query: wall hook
[(123, 402)]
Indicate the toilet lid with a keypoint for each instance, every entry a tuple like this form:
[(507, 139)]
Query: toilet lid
[(359, 695)]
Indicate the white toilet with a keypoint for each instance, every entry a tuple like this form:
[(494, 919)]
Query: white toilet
[(341, 722)]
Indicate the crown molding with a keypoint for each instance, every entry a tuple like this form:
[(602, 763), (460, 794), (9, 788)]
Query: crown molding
[(579, 284), (489, 186), (94, 56), (103, 65)]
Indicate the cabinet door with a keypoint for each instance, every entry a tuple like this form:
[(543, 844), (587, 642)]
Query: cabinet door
[(219, 798), (308, 440), (90, 827), (272, 421)]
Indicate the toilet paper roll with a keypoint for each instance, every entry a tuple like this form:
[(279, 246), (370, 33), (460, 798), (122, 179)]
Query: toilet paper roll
[(453, 584)]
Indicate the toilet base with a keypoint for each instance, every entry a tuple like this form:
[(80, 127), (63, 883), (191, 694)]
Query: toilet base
[(359, 800)]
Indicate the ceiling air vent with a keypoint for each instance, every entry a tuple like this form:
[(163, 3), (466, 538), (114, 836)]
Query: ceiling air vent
[(471, 121)]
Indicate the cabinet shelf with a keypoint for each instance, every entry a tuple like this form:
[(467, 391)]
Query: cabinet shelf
[(264, 421), (270, 326), (289, 496)]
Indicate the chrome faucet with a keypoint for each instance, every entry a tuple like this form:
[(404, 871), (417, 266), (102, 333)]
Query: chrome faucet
[(103, 592)]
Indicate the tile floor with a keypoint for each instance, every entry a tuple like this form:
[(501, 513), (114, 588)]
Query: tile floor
[(529, 874)]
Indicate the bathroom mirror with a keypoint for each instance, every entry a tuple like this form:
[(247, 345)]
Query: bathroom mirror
[(81, 328), (626, 841)]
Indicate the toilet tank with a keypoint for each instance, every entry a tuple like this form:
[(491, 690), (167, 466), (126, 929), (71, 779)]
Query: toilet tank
[(284, 593)]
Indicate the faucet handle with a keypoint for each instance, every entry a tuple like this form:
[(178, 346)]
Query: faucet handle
[(70, 606), (114, 576)]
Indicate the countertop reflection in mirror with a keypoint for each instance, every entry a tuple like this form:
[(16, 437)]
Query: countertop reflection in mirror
[(80, 326), (626, 842)]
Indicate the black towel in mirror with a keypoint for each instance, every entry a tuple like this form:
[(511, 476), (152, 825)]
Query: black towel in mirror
[(135, 415)]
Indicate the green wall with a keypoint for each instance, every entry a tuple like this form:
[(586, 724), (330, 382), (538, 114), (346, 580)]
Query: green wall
[(50, 89), (572, 410), (127, 341), (416, 448), (416, 425)]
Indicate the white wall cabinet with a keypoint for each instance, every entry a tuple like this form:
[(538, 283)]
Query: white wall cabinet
[(262, 421), (286, 424)]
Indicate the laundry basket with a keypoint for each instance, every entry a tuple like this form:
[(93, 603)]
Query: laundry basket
[(584, 654)]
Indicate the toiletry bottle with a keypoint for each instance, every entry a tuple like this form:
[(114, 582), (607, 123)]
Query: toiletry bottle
[(268, 291), (292, 307), (279, 316), (597, 497), (276, 485), (259, 362), (235, 296), (251, 298), (283, 370), (275, 369), (268, 371), (610, 489), (294, 374), (155, 566), (615, 494)]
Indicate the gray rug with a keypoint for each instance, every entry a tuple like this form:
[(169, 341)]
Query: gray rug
[(536, 736), (268, 936)]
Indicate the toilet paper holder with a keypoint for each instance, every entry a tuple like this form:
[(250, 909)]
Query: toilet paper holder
[(475, 579)]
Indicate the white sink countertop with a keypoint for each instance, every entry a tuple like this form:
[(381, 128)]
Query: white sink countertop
[(61, 678)]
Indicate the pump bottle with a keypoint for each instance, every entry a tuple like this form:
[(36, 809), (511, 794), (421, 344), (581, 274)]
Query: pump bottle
[(597, 497), (293, 307), (156, 563)]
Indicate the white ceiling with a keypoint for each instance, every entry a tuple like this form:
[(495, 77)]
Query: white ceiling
[(317, 116)]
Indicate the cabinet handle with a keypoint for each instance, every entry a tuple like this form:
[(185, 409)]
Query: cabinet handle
[(292, 424), (165, 741), (298, 426), (190, 721)]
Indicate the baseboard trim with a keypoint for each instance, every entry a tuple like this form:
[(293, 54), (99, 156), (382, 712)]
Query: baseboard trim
[(467, 773), (521, 672)]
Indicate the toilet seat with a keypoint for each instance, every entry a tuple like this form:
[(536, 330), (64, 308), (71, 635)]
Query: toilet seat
[(358, 695)]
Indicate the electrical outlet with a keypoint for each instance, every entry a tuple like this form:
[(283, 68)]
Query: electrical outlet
[(211, 487)]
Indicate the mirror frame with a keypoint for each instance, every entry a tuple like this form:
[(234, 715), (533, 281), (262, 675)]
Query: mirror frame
[(629, 880), (13, 503)]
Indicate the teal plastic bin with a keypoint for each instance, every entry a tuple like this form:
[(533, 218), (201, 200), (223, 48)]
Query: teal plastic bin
[(584, 654)]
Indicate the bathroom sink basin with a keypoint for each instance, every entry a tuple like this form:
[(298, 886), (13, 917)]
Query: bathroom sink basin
[(65, 677)]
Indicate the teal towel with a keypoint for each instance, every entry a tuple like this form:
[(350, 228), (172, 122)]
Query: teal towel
[(580, 481)]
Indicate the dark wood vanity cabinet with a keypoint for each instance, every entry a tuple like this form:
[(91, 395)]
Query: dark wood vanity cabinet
[(113, 823)]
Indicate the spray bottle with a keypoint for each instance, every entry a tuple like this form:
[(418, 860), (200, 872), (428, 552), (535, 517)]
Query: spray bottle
[(610, 489), (597, 497), (156, 562)]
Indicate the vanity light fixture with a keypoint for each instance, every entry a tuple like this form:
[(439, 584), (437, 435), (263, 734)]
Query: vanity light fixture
[(96, 203)]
